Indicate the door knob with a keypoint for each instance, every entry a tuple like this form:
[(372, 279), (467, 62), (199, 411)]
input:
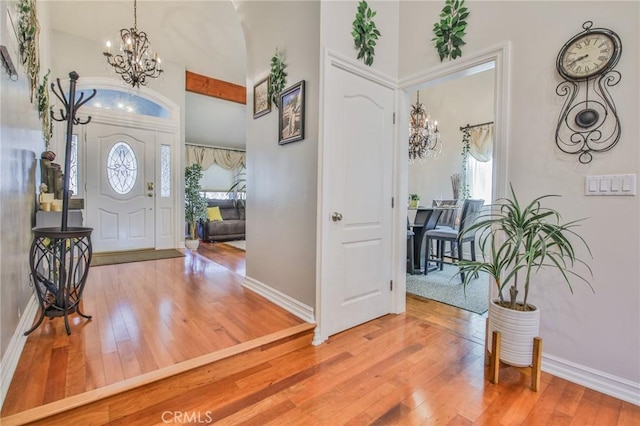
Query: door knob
[(336, 216), (150, 194)]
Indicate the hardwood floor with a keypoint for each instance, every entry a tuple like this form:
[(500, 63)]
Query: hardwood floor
[(146, 316), (423, 367)]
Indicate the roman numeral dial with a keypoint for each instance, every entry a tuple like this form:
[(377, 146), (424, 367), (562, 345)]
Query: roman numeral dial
[(589, 53)]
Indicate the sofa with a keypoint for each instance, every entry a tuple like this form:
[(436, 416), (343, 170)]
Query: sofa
[(228, 225)]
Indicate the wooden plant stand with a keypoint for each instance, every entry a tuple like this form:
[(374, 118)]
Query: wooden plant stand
[(492, 359)]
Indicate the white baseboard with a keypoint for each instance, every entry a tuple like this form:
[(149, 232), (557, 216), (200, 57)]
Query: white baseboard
[(600, 381), (11, 357), (302, 311)]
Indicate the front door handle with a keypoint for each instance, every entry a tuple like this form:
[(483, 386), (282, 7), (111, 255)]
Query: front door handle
[(336, 216)]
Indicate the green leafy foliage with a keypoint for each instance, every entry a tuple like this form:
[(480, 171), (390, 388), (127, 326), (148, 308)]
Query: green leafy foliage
[(239, 185), (195, 206), (28, 31), (277, 77), (464, 178), (365, 33), (450, 30), (44, 109), (516, 240)]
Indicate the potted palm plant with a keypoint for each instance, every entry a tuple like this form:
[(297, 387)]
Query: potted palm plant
[(516, 241), (195, 206)]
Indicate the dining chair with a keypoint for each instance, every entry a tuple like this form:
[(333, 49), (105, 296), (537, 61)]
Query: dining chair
[(450, 215), (441, 235)]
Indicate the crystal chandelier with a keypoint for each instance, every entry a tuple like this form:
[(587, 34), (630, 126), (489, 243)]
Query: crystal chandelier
[(134, 62), (424, 137)]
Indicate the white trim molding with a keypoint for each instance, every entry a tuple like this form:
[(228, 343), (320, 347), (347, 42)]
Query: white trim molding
[(11, 357), (289, 304), (600, 381)]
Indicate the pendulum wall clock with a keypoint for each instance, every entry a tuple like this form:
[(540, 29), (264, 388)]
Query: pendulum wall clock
[(588, 121)]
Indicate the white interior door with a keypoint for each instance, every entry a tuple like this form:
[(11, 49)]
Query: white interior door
[(120, 187), (357, 166)]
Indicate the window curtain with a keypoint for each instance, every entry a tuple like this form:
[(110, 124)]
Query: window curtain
[(226, 158), (481, 143)]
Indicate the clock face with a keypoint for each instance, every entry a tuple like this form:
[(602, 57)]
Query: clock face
[(588, 54)]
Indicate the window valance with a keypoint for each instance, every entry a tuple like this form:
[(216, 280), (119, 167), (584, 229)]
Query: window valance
[(207, 156)]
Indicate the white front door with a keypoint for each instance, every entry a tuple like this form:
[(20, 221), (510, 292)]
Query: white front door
[(357, 166), (120, 187)]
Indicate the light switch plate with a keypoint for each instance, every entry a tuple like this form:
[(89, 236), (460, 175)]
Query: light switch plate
[(622, 184)]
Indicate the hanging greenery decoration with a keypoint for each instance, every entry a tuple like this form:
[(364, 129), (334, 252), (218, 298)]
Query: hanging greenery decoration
[(365, 33), (277, 77), (44, 109), (28, 32), (466, 148), (450, 30)]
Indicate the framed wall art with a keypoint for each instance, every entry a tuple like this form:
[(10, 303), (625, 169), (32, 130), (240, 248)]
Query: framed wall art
[(291, 114), (261, 101)]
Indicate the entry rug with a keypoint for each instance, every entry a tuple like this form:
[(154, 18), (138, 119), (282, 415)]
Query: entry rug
[(240, 244), (446, 287), (102, 259)]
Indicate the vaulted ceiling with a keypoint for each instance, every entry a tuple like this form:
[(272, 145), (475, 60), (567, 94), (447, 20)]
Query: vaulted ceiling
[(205, 36)]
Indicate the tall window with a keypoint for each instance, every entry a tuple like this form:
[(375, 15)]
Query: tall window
[(480, 177), (165, 171)]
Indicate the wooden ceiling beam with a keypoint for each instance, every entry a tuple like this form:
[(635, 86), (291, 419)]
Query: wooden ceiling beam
[(208, 86)]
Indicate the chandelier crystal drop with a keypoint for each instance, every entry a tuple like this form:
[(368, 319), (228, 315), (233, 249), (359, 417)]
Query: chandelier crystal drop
[(134, 61), (424, 136)]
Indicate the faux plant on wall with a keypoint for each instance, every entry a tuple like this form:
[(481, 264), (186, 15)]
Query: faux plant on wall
[(28, 31), (365, 33), (450, 30), (277, 77), (45, 109), (466, 148)]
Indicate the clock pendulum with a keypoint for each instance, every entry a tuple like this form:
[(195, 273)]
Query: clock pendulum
[(588, 123)]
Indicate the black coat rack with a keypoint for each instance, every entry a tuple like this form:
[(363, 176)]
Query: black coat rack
[(60, 258)]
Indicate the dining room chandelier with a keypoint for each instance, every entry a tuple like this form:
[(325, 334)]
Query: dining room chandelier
[(424, 136), (134, 62)]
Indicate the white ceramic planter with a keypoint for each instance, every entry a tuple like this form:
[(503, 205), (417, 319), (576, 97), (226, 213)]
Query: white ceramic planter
[(517, 330), (191, 244)]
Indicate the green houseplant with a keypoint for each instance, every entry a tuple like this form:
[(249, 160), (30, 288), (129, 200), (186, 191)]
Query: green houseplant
[(239, 185), (195, 206), (516, 241), (414, 200)]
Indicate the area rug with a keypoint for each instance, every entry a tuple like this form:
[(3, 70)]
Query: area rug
[(102, 259), (446, 287), (240, 244)]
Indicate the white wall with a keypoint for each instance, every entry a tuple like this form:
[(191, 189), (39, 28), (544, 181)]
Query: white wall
[(215, 122), (337, 24), (21, 144), (454, 104), (281, 180), (598, 331)]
